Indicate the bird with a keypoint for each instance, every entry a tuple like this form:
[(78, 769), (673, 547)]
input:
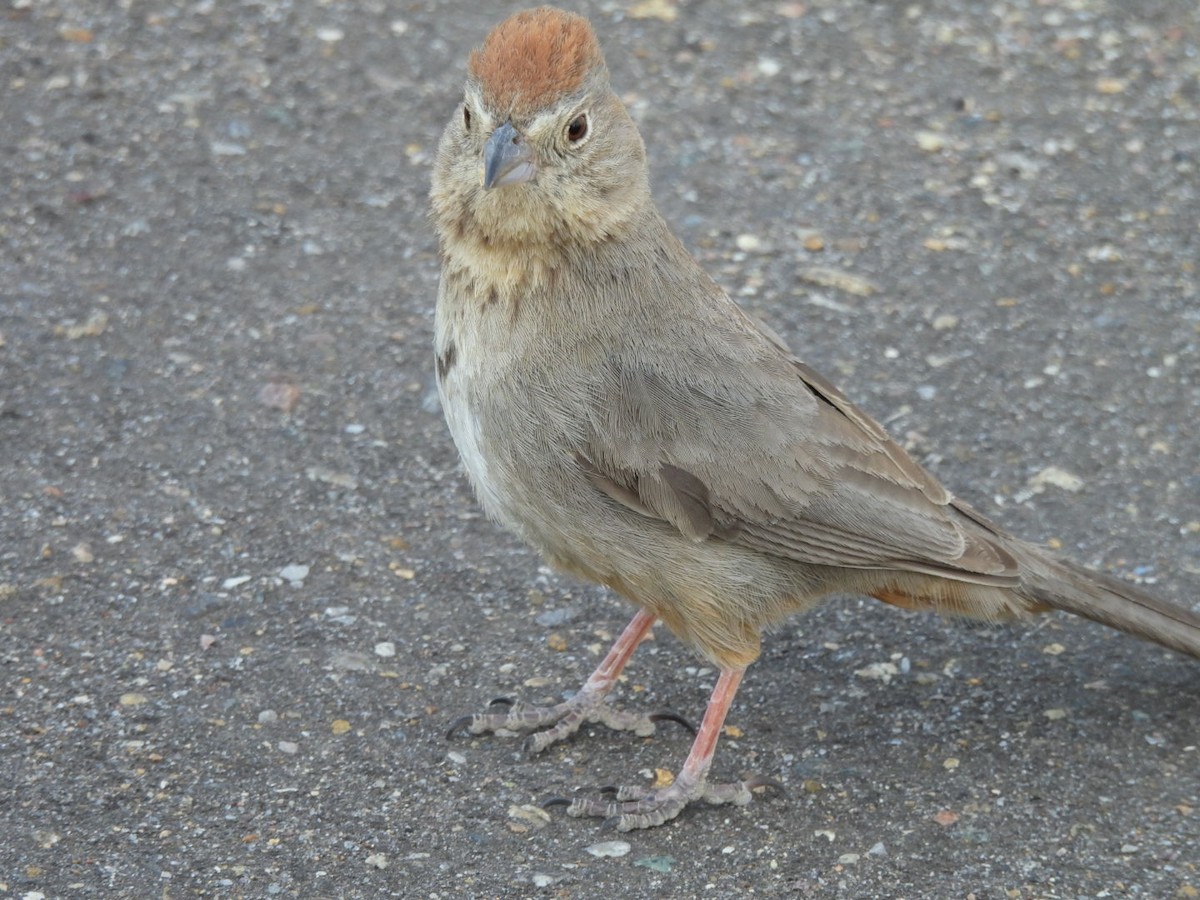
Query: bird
[(614, 408)]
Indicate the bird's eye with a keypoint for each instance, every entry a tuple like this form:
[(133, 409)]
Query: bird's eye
[(578, 129), (467, 117)]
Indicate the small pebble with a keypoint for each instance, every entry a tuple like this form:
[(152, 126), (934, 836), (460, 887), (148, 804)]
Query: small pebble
[(385, 649), (945, 322), (1055, 477), (880, 671), (294, 573), (268, 717), (609, 848), (552, 618), (930, 141), (288, 747), (532, 816), (769, 67), (329, 476), (227, 148), (656, 863)]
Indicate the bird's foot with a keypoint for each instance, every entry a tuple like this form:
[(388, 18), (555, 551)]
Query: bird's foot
[(550, 724), (633, 807)]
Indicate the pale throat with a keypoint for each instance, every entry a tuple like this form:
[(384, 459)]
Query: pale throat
[(503, 268)]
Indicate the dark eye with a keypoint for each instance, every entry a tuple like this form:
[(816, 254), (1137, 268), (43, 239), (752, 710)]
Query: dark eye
[(578, 129), (467, 117)]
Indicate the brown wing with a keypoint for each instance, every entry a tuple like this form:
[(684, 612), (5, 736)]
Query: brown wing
[(752, 446)]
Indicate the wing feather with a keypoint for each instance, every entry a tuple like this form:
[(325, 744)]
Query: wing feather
[(779, 461)]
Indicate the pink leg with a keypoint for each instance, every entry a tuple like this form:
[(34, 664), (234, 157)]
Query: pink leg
[(606, 674), (699, 758), (588, 704), (639, 807)]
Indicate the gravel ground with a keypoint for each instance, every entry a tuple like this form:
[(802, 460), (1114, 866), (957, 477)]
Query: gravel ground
[(244, 587)]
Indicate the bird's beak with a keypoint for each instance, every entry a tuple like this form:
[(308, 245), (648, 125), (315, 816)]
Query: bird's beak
[(507, 158)]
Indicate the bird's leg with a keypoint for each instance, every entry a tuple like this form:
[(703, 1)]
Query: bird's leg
[(638, 807), (588, 705)]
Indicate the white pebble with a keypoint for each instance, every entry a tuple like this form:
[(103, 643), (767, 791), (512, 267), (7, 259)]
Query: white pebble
[(294, 573), (930, 141), (609, 848)]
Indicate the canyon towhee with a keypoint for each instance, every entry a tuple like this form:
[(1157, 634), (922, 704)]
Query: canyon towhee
[(619, 412)]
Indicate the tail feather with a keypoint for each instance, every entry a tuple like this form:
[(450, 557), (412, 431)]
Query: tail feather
[(1064, 585)]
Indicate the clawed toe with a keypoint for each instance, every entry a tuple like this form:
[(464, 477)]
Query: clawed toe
[(668, 715), (631, 807), (459, 724), (547, 725)]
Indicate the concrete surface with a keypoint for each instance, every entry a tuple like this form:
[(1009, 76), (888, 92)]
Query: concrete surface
[(244, 589)]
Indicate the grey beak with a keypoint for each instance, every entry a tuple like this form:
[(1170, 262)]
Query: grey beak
[(507, 158)]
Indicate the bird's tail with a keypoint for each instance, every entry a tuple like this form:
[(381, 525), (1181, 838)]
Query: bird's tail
[(1063, 585)]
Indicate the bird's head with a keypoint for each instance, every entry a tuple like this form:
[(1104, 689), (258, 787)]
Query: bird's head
[(541, 152)]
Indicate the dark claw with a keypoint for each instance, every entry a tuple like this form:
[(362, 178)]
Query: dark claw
[(501, 701), (555, 801), (609, 789), (762, 781), (527, 744), (610, 824), (460, 722), (667, 715)]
